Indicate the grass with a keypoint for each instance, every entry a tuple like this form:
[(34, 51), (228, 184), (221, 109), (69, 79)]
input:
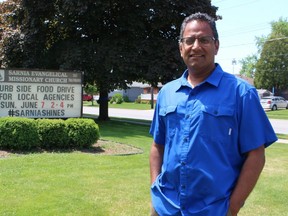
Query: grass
[(282, 136), (270, 194), (278, 114), (124, 105), (79, 183), (89, 184)]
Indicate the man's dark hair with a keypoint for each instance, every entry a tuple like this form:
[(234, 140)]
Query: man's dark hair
[(201, 17)]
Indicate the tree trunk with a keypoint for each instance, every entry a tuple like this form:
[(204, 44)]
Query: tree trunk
[(152, 97), (103, 106)]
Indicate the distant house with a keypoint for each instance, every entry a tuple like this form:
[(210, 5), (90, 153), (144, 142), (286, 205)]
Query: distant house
[(264, 93), (137, 89), (247, 79)]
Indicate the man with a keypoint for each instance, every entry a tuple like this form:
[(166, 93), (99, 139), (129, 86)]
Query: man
[(209, 133)]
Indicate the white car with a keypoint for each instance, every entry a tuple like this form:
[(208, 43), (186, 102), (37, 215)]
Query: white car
[(274, 103)]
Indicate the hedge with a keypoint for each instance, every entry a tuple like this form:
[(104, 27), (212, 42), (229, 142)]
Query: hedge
[(25, 134), (82, 132), (52, 133), (18, 133)]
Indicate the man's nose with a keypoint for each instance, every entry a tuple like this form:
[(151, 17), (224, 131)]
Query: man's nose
[(196, 43)]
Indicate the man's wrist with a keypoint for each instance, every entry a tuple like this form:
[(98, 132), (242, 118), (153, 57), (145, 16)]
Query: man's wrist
[(235, 206)]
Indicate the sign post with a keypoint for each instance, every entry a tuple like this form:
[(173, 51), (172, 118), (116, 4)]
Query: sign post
[(40, 93)]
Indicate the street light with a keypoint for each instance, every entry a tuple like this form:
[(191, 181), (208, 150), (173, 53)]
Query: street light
[(234, 62)]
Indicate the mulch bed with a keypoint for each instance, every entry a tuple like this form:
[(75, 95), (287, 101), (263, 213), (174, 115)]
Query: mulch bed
[(102, 147)]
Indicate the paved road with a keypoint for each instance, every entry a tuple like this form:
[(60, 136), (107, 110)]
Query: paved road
[(122, 113), (280, 126)]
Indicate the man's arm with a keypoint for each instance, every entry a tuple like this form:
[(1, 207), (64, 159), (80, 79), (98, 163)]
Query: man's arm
[(249, 175), (156, 160)]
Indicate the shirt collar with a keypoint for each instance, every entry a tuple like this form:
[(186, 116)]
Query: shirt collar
[(213, 79)]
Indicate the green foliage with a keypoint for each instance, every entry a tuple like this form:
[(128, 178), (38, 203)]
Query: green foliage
[(53, 133), (26, 134), (126, 98), (10, 37), (248, 66), (90, 89), (272, 67), (82, 132), (117, 99), (138, 100), (113, 42), (18, 133)]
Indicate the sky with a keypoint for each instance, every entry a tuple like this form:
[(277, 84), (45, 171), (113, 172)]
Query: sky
[(243, 21)]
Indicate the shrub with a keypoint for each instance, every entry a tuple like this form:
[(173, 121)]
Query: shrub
[(24, 133), (126, 98), (82, 132), (138, 100), (52, 133), (117, 98), (18, 133)]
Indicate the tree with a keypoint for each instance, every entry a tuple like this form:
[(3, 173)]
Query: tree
[(249, 63), (91, 90), (114, 42), (248, 66), (10, 36), (272, 67)]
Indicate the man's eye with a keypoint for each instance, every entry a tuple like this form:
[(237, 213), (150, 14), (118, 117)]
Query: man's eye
[(190, 41), (204, 40)]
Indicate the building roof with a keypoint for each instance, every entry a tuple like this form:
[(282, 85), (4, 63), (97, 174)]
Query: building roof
[(142, 85), (247, 79)]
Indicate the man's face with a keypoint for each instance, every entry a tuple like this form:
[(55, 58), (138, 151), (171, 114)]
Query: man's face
[(200, 55)]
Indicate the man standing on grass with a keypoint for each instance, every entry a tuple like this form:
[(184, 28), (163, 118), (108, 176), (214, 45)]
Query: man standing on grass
[(209, 130)]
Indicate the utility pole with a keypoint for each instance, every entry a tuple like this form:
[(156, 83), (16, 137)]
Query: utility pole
[(234, 62)]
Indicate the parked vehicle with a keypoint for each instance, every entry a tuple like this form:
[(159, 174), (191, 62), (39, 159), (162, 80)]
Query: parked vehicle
[(87, 97), (274, 103)]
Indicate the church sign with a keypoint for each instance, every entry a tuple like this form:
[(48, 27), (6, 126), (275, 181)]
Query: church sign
[(40, 93)]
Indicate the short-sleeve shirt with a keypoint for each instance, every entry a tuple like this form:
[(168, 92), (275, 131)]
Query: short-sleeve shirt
[(207, 131)]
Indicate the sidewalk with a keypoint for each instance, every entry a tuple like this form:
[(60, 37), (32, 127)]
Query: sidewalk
[(282, 141)]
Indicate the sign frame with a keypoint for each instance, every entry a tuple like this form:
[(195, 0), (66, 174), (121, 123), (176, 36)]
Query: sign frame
[(36, 93)]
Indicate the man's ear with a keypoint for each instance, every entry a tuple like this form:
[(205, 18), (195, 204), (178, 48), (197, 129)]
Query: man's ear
[(180, 49), (217, 44)]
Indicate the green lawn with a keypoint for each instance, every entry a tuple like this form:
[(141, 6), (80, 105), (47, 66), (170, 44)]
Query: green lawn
[(282, 136), (124, 105), (278, 114), (270, 194), (79, 183)]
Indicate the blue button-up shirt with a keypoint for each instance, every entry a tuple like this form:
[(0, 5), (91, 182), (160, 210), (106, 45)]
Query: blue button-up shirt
[(206, 131)]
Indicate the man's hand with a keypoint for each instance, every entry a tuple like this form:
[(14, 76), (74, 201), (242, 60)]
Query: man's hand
[(247, 180)]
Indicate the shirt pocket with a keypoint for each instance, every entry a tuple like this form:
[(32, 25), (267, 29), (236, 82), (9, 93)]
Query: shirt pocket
[(167, 110), (169, 116), (217, 121)]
